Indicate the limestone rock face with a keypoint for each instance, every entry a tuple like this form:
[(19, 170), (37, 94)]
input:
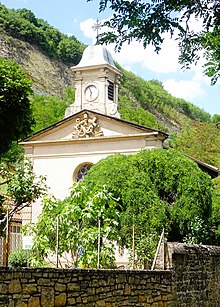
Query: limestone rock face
[(47, 75)]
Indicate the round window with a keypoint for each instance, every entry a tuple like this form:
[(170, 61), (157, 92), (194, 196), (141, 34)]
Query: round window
[(82, 172)]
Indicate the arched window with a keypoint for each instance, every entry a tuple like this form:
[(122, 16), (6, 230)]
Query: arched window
[(81, 171)]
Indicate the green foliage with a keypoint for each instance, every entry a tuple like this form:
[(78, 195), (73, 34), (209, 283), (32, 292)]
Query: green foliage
[(211, 43), (216, 210), (151, 96), (15, 112), (24, 25), (19, 187), (199, 232), (155, 190), (78, 226), (19, 258), (216, 118), (138, 115), (47, 110), (69, 50), (199, 140), (23, 187), (13, 155), (147, 21)]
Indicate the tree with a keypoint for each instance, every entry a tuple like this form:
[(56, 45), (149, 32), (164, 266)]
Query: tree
[(81, 218), (15, 111), (211, 43), (216, 118), (136, 197), (147, 21), (158, 188), (68, 50), (19, 187)]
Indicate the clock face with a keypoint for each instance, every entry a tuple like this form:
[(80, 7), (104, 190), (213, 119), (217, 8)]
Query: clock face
[(91, 92)]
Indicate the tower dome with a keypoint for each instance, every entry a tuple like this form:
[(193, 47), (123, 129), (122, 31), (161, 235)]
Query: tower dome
[(96, 55)]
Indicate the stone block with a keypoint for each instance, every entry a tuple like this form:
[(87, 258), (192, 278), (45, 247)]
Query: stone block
[(91, 291), (21, 304), (14, 286), (121, 278), (29, 289), (73, 287), (85, 300), (127, 289), (142, 298), (47, 297), (44, 282), (26, 275), (34, 302), (3, 288), (60, 287), (4, 299), (71, 301), (60, 300), (100, 303), (157, 298)]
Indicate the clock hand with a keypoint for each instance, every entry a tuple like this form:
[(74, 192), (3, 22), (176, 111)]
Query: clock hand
[(90, 90)]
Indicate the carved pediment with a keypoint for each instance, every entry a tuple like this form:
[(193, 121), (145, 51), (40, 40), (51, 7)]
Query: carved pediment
[(86, 127)]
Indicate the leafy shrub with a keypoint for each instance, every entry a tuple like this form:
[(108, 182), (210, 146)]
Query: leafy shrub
[(19, 258)]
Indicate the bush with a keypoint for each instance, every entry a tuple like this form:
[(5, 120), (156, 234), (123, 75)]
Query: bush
[(19, 258)]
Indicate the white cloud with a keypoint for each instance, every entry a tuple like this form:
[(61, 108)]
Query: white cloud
[(134, 53), (186, 89), (87, 28)]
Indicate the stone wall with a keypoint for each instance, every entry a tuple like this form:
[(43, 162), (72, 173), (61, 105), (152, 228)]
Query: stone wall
[(57, 287), (196, 275), (193, 280)]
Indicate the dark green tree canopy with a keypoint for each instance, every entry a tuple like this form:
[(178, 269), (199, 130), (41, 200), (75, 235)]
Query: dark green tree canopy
[(23, 24), (15, 110), (161, 188), (147, 21)]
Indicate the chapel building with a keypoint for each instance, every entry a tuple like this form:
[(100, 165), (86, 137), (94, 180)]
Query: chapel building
[(90, 131)]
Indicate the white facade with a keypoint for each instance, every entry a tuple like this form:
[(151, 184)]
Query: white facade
[(57, 153)]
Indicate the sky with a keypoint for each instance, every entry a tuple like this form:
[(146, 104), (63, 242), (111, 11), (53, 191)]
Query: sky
[(77, 17)]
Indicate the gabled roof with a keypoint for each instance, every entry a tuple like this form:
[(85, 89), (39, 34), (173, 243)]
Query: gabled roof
[(112, 120)]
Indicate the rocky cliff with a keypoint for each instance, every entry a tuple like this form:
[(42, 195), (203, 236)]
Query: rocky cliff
[(49, 76)]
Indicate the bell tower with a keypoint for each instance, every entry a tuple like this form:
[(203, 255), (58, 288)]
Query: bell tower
[(96, 83)]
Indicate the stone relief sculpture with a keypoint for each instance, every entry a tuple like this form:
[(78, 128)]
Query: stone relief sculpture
[(87, 127)]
